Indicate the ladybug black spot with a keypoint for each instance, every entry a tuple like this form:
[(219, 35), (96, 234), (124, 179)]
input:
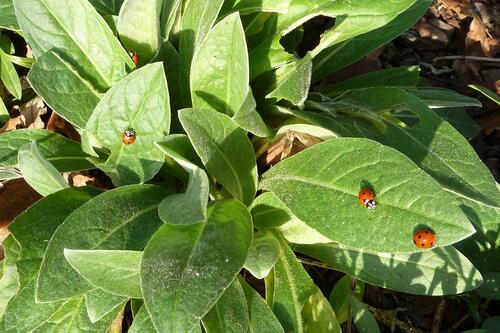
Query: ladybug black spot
[(419, 236), (423, 244), (414, 242)]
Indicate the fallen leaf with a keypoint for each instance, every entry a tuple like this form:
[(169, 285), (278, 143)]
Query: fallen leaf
[(79, 179), (15, 196), (31, 113), (59, 125)]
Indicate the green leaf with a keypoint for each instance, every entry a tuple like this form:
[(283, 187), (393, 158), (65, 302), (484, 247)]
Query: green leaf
[(139, 27), (249, 119), (64, 154), (78, 34), (363, 319), (350, 50), (194, 28), (195, 259), (170, 14), (290, 288), (7, 15), (340, 296), (261, 317), (219, 73), (318, 315), (230, 313), (9, 282), (293, 81), (399, 77), (492, 324), (491, 286), (142, 323), (21, 61), (486, 92), (352, 18), (4, 114), (326, 198), (63, 89), (460, 120), (116, 272), (39, 173), (8, 76), (120, 219), (99, 303), (263, 255), (442, 98), (109, 7), (245, 7), (269, 212), (139, 102), (191, 206), (23, 314), (224, 149), (441, 271)]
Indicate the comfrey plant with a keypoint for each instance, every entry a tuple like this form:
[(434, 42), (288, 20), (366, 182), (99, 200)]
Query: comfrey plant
[(176, 101)]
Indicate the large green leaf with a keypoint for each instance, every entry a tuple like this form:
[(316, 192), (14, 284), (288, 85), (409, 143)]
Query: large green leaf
[(323, 194), (350, 50), (139, 27), (120, 219), (74, 30), (23, 314), (191, 206), (38, 172), (194, 28), (195, 259), (9, 282), (114, 271), (7, 15), (460, 120), (8, 76), (440, 271), (261, 317), (63, 88), (289, 289), (170, 15), (139, 102), (109, 7), (224, 149), (230, 313), (219, 72), (352, 18), (64, 154)]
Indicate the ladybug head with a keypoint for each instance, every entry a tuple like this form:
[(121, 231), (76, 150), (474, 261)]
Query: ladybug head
[(370, 204)]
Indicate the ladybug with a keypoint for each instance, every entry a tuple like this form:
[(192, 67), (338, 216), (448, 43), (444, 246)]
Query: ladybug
[(128, 136), (367, 198), (424, 239), (134, 56)]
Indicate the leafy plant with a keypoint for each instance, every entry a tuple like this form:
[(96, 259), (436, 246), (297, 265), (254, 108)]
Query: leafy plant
[(219, 86)]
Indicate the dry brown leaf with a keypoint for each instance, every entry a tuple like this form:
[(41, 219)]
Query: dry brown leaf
[(12, 125), (477, 34), (59, 125), (79, 179), (15, 196), (31, 113)]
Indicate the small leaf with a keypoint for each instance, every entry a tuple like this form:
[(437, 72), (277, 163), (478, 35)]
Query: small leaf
[(219, 73), (8, 15), (363, 319), (4, 114), (245, 7), (142, 323), (442, 98), (440, 271), (486, 92), (139, 27), (249, 119), (191, 206), (38, 172), (263, 255), (224, 149), (120, 219), (116, 272), (293, 81), (318, 315), (326, 199), (64, 154), (261, 317), (139, 102), (194, 259), (340, 296), (8, 76), (63, 89), (99, 304), (460, 120), (230, 313)]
